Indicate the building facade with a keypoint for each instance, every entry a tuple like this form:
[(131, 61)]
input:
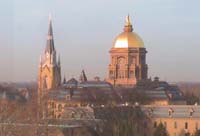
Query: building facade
[(127, 58)]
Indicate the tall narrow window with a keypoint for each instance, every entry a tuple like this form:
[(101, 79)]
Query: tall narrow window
[(165, 124), (170, 111), (186, 125), (196, 126), (191, 112), (59, 107), (155, 124), (145, 124), (175, 125), (111, 75), (131, 74)]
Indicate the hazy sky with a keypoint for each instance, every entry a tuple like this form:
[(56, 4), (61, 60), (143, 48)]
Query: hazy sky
[(84, 31)]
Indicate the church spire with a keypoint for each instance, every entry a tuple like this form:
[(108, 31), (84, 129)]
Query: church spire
[(50, 42), (58, 59), (128, 26), (64, 80), (83, 77)]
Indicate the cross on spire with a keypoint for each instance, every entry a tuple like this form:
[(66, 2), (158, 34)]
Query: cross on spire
[(50, 42)]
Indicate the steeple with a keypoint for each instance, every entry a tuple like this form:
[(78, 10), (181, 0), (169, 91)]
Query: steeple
[(83, 77), (40, 60), (50, 42), (50, 72), (59, 60), (128, 26), (64, 80)]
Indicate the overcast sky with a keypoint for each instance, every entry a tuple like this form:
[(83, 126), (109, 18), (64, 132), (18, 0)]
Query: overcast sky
[(84, 31)]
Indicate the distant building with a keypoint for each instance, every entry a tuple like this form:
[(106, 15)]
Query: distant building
[(127, 59)]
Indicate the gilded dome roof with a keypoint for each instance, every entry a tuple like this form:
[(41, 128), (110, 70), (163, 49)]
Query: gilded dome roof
[(128, 38)]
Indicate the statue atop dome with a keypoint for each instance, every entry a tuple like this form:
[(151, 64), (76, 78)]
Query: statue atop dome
[(128, 22), (128, 26)]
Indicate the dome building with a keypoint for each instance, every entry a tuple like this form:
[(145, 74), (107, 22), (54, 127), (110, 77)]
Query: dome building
[(127, 58)]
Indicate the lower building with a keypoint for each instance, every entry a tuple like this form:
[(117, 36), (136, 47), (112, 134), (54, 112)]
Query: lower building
[(179, 120)]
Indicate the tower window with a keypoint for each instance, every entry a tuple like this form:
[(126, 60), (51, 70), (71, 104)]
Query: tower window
[(131, 74), (191, 112), (126, 74), (59, 116), (113, 60), (196, 126), (111, 75), (145, 124), (132, 60), (150, 112), (186, 125), (59, 107), (155, 124), (165, 124), (170, 112), (175, 125)]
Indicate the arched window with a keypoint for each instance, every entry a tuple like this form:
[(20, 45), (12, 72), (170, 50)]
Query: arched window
[(191, 112), (196, 126), (175, 125), (59, 107), (112, 75), (170, 111), (45, 83), (132, 74), (59, 116), (155, 124), (120, 71), (52, 105), (132, 60), (121, 62), (186, 125), (150, 113), (165, 124), (113, 60)]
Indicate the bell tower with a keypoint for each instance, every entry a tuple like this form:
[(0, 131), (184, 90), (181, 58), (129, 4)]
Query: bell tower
[(49, 67), (127, 58)]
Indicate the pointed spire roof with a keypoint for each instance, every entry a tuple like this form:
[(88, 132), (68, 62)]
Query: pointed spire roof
[(64, 80), (83, 77), (50, 42), (41, 60), (128, 26), (59, 60)]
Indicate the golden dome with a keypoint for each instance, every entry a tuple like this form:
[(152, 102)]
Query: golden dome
[(128, 38)]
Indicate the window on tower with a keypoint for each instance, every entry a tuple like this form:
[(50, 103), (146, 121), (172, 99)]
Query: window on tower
[(132, 74), (143, 61), (112, 75), (132, 60), (113, 60), (121, 65)]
